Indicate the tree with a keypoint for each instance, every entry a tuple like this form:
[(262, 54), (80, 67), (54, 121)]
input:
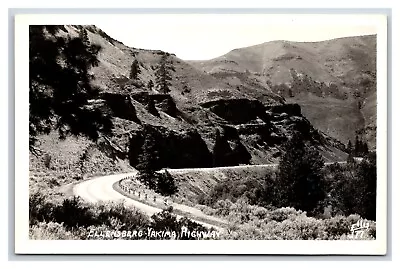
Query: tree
[(149, 163), (350, 158), (150, 85), (60, 87), (83, 35), (365, 149), (349, 147), (367, 177), (166, 184), (291, 93), (240, 155), (300, 176), (163, 74), (151, 107), (148, 159), (135, 70), (354, 188), (221, 151), (360, 148), (357, 146)]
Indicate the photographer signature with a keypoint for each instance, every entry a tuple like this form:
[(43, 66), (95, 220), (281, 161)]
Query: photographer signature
[(358, 229)]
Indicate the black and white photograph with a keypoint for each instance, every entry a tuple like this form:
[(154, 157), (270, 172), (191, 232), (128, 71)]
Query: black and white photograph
[(198, 129)]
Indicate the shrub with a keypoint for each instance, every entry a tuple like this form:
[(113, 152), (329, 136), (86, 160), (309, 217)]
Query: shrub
[(166, 221), (248, 189), (74, 214), (47, 160), (301, 228), (283, 213), (352, 190), (118, 216), (51, 231), (166, 184), (222, 207), (73, 220), (39, 209), (191, 226), (261, 212), (337, 226), (254, 222)]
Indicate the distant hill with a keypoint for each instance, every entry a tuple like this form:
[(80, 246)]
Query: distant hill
[(334, 81)]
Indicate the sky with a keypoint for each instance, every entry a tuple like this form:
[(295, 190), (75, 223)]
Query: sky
[(206, 36)]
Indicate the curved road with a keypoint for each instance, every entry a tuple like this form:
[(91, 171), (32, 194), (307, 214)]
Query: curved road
[(100, 189)]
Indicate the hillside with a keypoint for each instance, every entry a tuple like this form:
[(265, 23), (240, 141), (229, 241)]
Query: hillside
[(187, 121), (331, 79)]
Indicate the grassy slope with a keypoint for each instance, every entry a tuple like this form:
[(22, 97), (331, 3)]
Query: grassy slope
[(369, 113), (338, 118), (331, 60), (345, 62), (64, 168), (194, 182), (116, 59)]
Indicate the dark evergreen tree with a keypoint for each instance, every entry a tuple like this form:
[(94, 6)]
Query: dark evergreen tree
[(135, 70), (221, 151), (151, 107), (350, 158), (166, 184), (366, 187), (59, 85), (291, 93), (365, 149), (357, 147), (299, 176), (163, 74), (360, 148), (150, 85), (349, 147), (240, 155), (148, 158), (83, 35), (354, 189)]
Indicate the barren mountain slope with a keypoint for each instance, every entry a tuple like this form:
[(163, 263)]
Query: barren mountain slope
[(340, 74)]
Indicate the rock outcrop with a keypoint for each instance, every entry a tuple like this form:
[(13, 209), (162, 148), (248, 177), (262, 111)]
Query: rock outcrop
[(121, 106), (184, 149)]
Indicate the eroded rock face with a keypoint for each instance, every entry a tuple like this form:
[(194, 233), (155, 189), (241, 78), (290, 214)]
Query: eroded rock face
[(262, 130), (250, 133), (236, 111), (289, 109), (273, 124), (121, 106), (184, 149), (163, 102)]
